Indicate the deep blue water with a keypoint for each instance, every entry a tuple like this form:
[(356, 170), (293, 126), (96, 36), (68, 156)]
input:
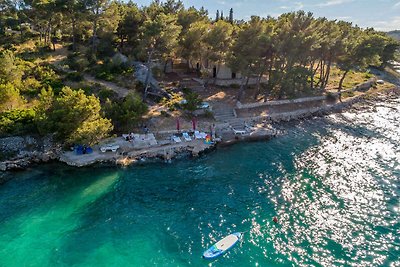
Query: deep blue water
[(333, 183)]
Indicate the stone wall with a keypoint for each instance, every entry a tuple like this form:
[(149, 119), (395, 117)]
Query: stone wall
[(279, 102)]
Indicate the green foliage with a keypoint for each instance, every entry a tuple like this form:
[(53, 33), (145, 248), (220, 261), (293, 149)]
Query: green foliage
[(348, 94), (48, 77), (159, 37), (74, 76), (10, 97), (192, 101), (173, 102), (10, 71), (78, 62), (330, 97), (106, 93), (31, 87), (76, 118), (219, 41), (126, 113), (17, 121), (111, 69), (106, 76)]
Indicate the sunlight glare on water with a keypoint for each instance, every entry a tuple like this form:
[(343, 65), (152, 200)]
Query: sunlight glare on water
[(332, 182)]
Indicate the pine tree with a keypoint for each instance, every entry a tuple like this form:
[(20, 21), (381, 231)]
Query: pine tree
[(222, 15), (231, 15), (217, 17)]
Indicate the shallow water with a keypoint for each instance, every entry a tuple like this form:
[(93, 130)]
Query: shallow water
[(333, 183)]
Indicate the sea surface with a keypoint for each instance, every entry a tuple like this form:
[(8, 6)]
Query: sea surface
[(332, 182)]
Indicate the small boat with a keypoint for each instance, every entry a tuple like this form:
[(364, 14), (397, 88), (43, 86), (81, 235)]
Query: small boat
[(222, 246)]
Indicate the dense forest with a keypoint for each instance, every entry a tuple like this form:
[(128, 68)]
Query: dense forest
[(296, 52)]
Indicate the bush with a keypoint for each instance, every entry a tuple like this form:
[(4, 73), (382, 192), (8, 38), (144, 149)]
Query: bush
[(165, 114), (10, 97), (192, 102), (48, 77), (330, 97), (31, 87), (106, 76), (368, 75), (105, 93), (17, 121), (348, 94), (77, 62), (76, 118), (126, 113), (172, 103), (74, 76)]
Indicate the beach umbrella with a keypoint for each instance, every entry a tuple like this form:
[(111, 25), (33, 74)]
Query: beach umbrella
[(194, 124), (178, 125)]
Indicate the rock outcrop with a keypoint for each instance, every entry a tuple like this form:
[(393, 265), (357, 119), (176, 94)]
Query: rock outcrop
[(20, 152)]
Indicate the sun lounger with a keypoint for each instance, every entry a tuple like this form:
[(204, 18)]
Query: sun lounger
[(200, 135), (112, 148), (239, 132), (187, 137), (176, 139)]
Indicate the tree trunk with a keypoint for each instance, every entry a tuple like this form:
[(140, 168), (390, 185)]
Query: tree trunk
[(241, 89), (146, 83), (258, 87), (269, 84), (94, 37), (73, 33), (328, 73), (342, 79), (341, 85)]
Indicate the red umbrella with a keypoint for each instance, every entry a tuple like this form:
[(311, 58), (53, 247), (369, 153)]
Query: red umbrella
[(194, 124), (178, 125)]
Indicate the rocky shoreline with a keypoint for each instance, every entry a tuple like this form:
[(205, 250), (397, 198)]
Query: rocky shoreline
[(18, 153)]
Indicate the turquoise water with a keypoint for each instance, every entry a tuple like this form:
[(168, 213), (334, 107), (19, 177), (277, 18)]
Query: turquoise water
[(333, 183)]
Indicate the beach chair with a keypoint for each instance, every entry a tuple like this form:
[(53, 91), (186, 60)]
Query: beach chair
[(197, 135), (187, 137), (112, 148), (239, 132), (176, 139)]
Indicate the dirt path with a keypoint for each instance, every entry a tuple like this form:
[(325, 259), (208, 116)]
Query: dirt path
[(121, 91), (61, 53)]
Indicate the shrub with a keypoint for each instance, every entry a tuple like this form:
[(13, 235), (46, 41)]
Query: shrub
[(330, 97), (348, 94), (173, 102), (192, 102), (165, 114), (106, 76), (17, 121), (126, 113), (76, 118), (31, 87), (77, 62), (105, 93), (10, 97), (157, 72), (368, 75), (74, 76)]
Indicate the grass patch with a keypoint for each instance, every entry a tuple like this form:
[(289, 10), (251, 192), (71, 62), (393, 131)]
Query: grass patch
[(352, 79)]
